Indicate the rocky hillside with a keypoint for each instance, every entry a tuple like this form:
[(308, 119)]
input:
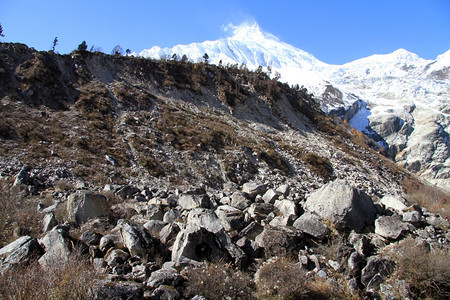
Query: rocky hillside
[(398, 99), (153, 168)]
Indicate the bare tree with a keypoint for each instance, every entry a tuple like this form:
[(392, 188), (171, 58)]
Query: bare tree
[(1, 31), (117, 50)]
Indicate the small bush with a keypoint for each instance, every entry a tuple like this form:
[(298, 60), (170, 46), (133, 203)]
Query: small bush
[(427, 271), (282, 278), (431, 197), (70, 280), (17, 210), (219, 281)]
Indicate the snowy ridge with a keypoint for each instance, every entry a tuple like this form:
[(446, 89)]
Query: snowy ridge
[(400, 87)]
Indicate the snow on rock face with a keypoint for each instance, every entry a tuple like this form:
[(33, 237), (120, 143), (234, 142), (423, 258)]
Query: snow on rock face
[(408, 92)]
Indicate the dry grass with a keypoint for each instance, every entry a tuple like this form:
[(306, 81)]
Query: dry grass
[(218, 281), (431, 197), (17, 210), (282, 278), (428, 272), (70, 280)]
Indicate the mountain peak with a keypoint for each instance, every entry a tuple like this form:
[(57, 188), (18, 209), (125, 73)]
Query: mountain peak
[(245, 32)]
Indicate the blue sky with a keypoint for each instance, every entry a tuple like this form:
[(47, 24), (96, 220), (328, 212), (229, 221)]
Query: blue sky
[(335, 31)]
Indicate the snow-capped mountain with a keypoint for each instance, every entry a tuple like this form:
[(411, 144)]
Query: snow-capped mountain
[(400, 99)]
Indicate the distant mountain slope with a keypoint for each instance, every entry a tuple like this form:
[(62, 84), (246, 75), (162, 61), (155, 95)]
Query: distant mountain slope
[(400, 99)]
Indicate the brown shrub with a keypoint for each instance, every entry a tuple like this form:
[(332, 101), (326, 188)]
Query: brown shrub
[(218, 281), (17, 211), (319, 165), (431, 197), (282, 278), (427, 271), (70, 280)]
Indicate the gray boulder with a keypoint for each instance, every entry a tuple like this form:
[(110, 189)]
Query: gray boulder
[(230, 217), (191, 201), (413, 217), (239, 201), (376, 265), (286, 207), (205, 238), (311, 224), (165, 292), (154, 227), (259, 211), (164, 276), (391, 227), (84, 205), (90, 237), (136, 239), (394, 202), (48, 222), (109, 241), (116, 258), (254, 188), (270, 196), (280, 241), (346, 207), (22, 250), (58, 246)]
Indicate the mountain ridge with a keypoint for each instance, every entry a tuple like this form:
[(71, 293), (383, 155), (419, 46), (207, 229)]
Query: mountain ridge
[(399, 84)]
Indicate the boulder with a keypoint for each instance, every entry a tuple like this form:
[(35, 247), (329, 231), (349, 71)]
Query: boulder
[(136, 239), (165, 292), (283, 190), (270, 196), (22, 250), (231, 218), (376, 265), (116, 258), (154, 212), (286, 207), (84, 205), (48, 222), (154, 227), (259, 211), (413, 217), (280, 241), (168, 234), (191, 201), (172, 215), (58, 246), (391, 227), (108, 241), (347, 207), (107, 289), (254, 188), (205, 238), (90, 237), (164, 276), (311, 224), (394, 202), (239, 201)]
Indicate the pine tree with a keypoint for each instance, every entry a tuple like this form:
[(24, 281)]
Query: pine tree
[(206, 57), (55, 42), (82, 46), (1, 31)]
